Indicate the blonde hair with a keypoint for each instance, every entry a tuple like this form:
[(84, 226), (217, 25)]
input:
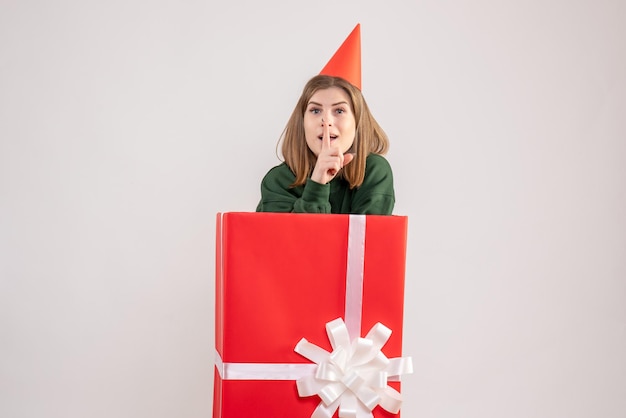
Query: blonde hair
[(369, 136)]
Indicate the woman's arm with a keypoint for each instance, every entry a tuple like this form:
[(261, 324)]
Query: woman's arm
[(277, 196), (376, 195)]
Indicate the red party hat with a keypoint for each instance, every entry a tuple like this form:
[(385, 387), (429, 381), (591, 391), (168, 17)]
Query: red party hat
[(346, 63)]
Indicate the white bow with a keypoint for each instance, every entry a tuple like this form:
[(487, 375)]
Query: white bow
[(354, 376)]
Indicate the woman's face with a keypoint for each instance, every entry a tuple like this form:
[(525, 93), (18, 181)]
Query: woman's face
[(332, 105)]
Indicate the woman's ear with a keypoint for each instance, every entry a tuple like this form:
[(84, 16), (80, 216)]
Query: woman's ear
[(347, 157)]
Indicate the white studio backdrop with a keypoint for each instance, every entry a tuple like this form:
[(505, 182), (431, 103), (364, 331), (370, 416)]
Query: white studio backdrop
[(125, 126)]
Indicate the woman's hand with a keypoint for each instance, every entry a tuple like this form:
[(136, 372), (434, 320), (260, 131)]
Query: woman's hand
[(330, 159)]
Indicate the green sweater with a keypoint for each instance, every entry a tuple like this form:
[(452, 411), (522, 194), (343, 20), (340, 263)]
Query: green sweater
[(374, 197)]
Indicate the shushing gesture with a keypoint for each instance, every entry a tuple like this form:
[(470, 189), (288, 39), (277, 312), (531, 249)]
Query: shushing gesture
[(330, 159)]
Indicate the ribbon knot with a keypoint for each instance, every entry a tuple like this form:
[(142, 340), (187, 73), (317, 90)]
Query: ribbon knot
[(353, 377)]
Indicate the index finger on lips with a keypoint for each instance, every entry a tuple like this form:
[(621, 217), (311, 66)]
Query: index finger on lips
[(325, 136)]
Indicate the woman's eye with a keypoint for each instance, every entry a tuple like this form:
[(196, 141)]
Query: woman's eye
[(340, 110), (314, 111)]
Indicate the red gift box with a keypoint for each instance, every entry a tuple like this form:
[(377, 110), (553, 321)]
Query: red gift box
[(281, 277)]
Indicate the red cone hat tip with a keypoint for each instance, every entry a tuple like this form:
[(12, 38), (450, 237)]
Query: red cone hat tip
[(346, 63)]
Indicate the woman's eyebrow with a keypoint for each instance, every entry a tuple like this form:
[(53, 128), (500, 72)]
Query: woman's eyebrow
[(334, 104)]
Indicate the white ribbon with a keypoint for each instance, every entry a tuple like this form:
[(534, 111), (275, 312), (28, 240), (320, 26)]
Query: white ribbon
[(262, 371), (353, 378), (354, 274)]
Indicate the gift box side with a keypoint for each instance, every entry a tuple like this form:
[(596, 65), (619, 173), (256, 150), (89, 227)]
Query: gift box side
[(263, 399), (383, 285), (383, 278), (217, 394), (217, 381), (283, 279), (266, 398), (219, 323)]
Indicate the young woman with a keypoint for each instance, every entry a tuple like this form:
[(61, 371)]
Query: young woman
[(333, 149)]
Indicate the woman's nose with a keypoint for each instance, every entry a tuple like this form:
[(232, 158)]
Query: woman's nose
[(326, 120)]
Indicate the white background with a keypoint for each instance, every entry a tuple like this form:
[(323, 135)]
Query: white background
[(125, 126)]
